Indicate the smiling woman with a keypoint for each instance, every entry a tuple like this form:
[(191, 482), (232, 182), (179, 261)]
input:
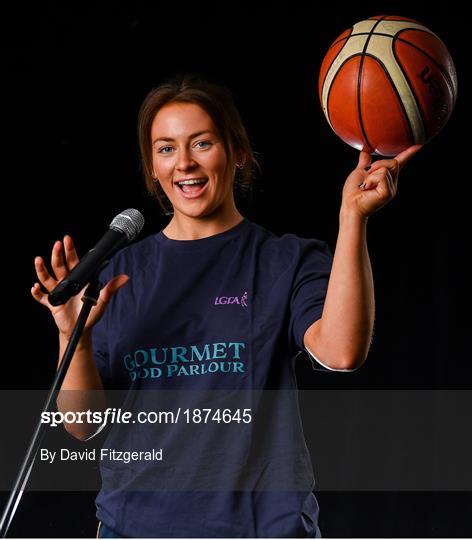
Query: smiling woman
[(192, 166), (195, 155), (212, 277)]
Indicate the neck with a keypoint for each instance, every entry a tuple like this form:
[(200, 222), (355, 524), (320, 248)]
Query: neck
[(185, 227)]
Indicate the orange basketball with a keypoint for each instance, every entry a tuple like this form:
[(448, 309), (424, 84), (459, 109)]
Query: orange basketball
[(387, 83)]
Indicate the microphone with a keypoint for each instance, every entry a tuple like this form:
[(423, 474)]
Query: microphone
[(124, 228)]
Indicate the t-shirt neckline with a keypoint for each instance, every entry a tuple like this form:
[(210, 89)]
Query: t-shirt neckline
[(203, 242)]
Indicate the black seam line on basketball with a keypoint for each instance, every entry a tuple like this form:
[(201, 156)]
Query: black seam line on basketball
[(408, 123), (326, 74), (359, 78), (335, 77), (384, 18)]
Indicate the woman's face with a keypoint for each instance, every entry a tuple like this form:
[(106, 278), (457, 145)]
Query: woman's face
[(186, 146)]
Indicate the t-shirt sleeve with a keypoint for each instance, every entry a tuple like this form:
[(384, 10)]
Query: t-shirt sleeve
[(309, 291), (100, 337)]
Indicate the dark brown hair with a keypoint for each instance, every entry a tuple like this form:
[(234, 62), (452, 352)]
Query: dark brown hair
[(217, 101)]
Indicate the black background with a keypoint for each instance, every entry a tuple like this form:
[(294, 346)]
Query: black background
[(73, 80)]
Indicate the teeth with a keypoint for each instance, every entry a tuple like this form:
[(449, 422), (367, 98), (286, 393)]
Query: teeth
[(190, 182)]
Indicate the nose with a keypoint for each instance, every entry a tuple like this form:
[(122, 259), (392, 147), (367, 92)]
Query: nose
[(185, 160)]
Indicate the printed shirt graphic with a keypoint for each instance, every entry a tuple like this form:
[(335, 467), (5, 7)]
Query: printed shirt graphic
[(222, 313)]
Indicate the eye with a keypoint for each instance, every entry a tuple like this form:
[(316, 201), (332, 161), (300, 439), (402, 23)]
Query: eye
[(160, 151), (204, 142)]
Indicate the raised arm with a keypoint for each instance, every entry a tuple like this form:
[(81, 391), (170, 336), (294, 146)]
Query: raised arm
[(341, 338), (82, 387)]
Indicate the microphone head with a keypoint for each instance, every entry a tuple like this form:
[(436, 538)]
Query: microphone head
[(130, 222)]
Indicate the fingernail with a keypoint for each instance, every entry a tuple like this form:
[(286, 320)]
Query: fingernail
[(368, 168)]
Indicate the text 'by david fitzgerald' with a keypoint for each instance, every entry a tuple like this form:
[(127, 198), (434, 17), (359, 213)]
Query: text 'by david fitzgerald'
[(103, 454)]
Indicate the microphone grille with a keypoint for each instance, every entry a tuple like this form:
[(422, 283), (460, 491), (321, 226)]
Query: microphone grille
[(129, 222)]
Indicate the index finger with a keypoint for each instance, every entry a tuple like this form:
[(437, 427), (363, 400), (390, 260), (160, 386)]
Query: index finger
[(71, 255), (404, 157), (364, 159)]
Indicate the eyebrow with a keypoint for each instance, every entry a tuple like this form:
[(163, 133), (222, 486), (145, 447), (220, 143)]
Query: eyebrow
[(169, 139)]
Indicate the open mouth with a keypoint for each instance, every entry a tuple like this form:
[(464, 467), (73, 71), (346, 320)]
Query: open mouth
[(194, 188), (189, 188)]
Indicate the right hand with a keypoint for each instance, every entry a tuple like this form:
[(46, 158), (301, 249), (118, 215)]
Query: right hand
[(66, 316)]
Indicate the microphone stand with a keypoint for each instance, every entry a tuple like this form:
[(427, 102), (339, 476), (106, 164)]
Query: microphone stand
[(89, 299)]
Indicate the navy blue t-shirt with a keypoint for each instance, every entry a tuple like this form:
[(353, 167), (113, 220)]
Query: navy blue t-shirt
[(202, 324)]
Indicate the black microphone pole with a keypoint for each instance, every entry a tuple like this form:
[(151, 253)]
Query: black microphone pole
[(89, 299)]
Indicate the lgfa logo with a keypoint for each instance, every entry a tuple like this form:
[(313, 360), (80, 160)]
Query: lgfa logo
[(225, 300)]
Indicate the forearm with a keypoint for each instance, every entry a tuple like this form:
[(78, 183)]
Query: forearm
[(82, 388), (82, 373), (348, 316)]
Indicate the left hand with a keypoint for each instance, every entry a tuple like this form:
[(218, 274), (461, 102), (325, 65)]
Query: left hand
[(364, 192)]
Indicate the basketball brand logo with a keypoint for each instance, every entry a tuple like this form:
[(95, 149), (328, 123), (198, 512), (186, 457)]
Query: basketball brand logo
[(225, 300), (439, 104)]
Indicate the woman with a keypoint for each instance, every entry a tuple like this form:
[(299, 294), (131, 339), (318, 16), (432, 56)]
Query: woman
[(216, 303)]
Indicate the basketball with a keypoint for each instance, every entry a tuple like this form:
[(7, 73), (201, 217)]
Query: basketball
[(387, 83)]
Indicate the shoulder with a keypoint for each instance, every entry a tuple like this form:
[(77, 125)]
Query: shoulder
[(289, 247)]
